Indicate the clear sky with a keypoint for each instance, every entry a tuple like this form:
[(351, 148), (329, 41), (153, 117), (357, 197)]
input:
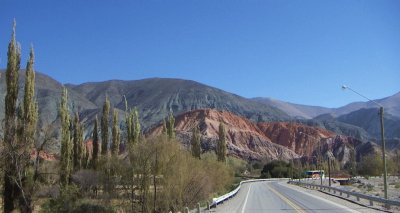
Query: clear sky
[(296, 51)]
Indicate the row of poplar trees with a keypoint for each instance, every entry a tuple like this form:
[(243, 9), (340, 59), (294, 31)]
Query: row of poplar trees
[(75, 155)]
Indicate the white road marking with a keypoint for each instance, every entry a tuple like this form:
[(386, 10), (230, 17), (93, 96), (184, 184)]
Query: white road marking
[(322, 199), (286, 200), (247, 196)]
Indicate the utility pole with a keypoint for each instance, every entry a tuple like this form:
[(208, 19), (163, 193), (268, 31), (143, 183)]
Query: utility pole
[(382, 137), (383, 153), (320, 162), (329, 170)]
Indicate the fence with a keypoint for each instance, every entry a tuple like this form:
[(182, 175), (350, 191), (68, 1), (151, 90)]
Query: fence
[(358, 196)]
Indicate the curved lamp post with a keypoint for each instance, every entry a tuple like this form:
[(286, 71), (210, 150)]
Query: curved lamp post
[(344, 87)]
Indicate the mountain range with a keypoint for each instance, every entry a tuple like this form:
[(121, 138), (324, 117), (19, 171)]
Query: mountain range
[(156, 97), (391, 105)]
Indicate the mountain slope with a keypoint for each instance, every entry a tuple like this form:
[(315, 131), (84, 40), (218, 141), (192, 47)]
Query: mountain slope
[(369, 120), (266, 140), (244, 138), (155, 97), (310, 142), (295, 110), (391, 105), (48, 93)]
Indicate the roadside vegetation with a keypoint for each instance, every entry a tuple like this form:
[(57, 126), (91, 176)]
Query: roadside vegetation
[(121, 171)]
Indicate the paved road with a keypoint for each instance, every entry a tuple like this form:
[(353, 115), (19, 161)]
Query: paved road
[(274, 196)]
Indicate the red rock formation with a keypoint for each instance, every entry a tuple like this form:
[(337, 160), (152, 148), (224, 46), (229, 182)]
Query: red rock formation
[(274, 140), (299, 138), (43, 155), (244, 138)]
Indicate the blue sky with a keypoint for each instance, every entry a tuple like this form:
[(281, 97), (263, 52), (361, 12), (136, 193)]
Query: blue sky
[(296, 51)]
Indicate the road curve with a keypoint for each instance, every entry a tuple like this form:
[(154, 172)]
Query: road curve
[(277, 196)]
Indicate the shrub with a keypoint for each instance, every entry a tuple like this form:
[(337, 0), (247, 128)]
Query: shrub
[(276, 169)]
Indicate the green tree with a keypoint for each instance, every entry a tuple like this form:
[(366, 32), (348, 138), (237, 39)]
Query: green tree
[(221, 144), (95, 136), (276, 169), (132, 125), (195, 142), (78, 153), (171, 126), (29, 123), (30, 104), (370, 165), (104, 127), (66, 166), (115, 134), (164, 128), (10, 189)]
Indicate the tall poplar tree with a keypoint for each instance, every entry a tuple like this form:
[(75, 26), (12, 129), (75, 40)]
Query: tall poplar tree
[(132, 125), (78, 152), (164, 128), (115, 134), (104, 127), (221, 144), (30, 104), (28, 122), (10, 189), (66, 144), (195, 142), (136, 126), (171, 126), (95, 153)]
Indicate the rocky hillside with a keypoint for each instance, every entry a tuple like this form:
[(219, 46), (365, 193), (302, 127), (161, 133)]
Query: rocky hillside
[(313, 141), (48, 93), (155, 97), (266, 140), (302, 139), (244, 138), (369, 120)]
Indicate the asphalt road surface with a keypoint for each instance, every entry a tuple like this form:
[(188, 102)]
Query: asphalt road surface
[(275, 196)]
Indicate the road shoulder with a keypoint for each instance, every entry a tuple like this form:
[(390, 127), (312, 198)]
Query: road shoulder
[(335, 199)]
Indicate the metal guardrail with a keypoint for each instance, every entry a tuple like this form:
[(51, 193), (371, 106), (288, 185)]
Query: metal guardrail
[(359, 196), (231, 194)]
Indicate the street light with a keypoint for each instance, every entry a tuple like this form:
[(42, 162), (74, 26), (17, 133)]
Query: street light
[(344, 87)]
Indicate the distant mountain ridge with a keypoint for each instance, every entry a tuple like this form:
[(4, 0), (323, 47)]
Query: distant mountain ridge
[(391, 105)]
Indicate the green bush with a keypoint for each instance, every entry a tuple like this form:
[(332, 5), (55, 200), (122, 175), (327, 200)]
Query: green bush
[(87, 207), (69, 201), (276, 169)]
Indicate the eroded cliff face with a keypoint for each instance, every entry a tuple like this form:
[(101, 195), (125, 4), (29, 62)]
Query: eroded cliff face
[(299, 138), (309, 141), (244, 138), (273, 140)]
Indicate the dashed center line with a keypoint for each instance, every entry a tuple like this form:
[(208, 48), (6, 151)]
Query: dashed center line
[(290, 203)]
